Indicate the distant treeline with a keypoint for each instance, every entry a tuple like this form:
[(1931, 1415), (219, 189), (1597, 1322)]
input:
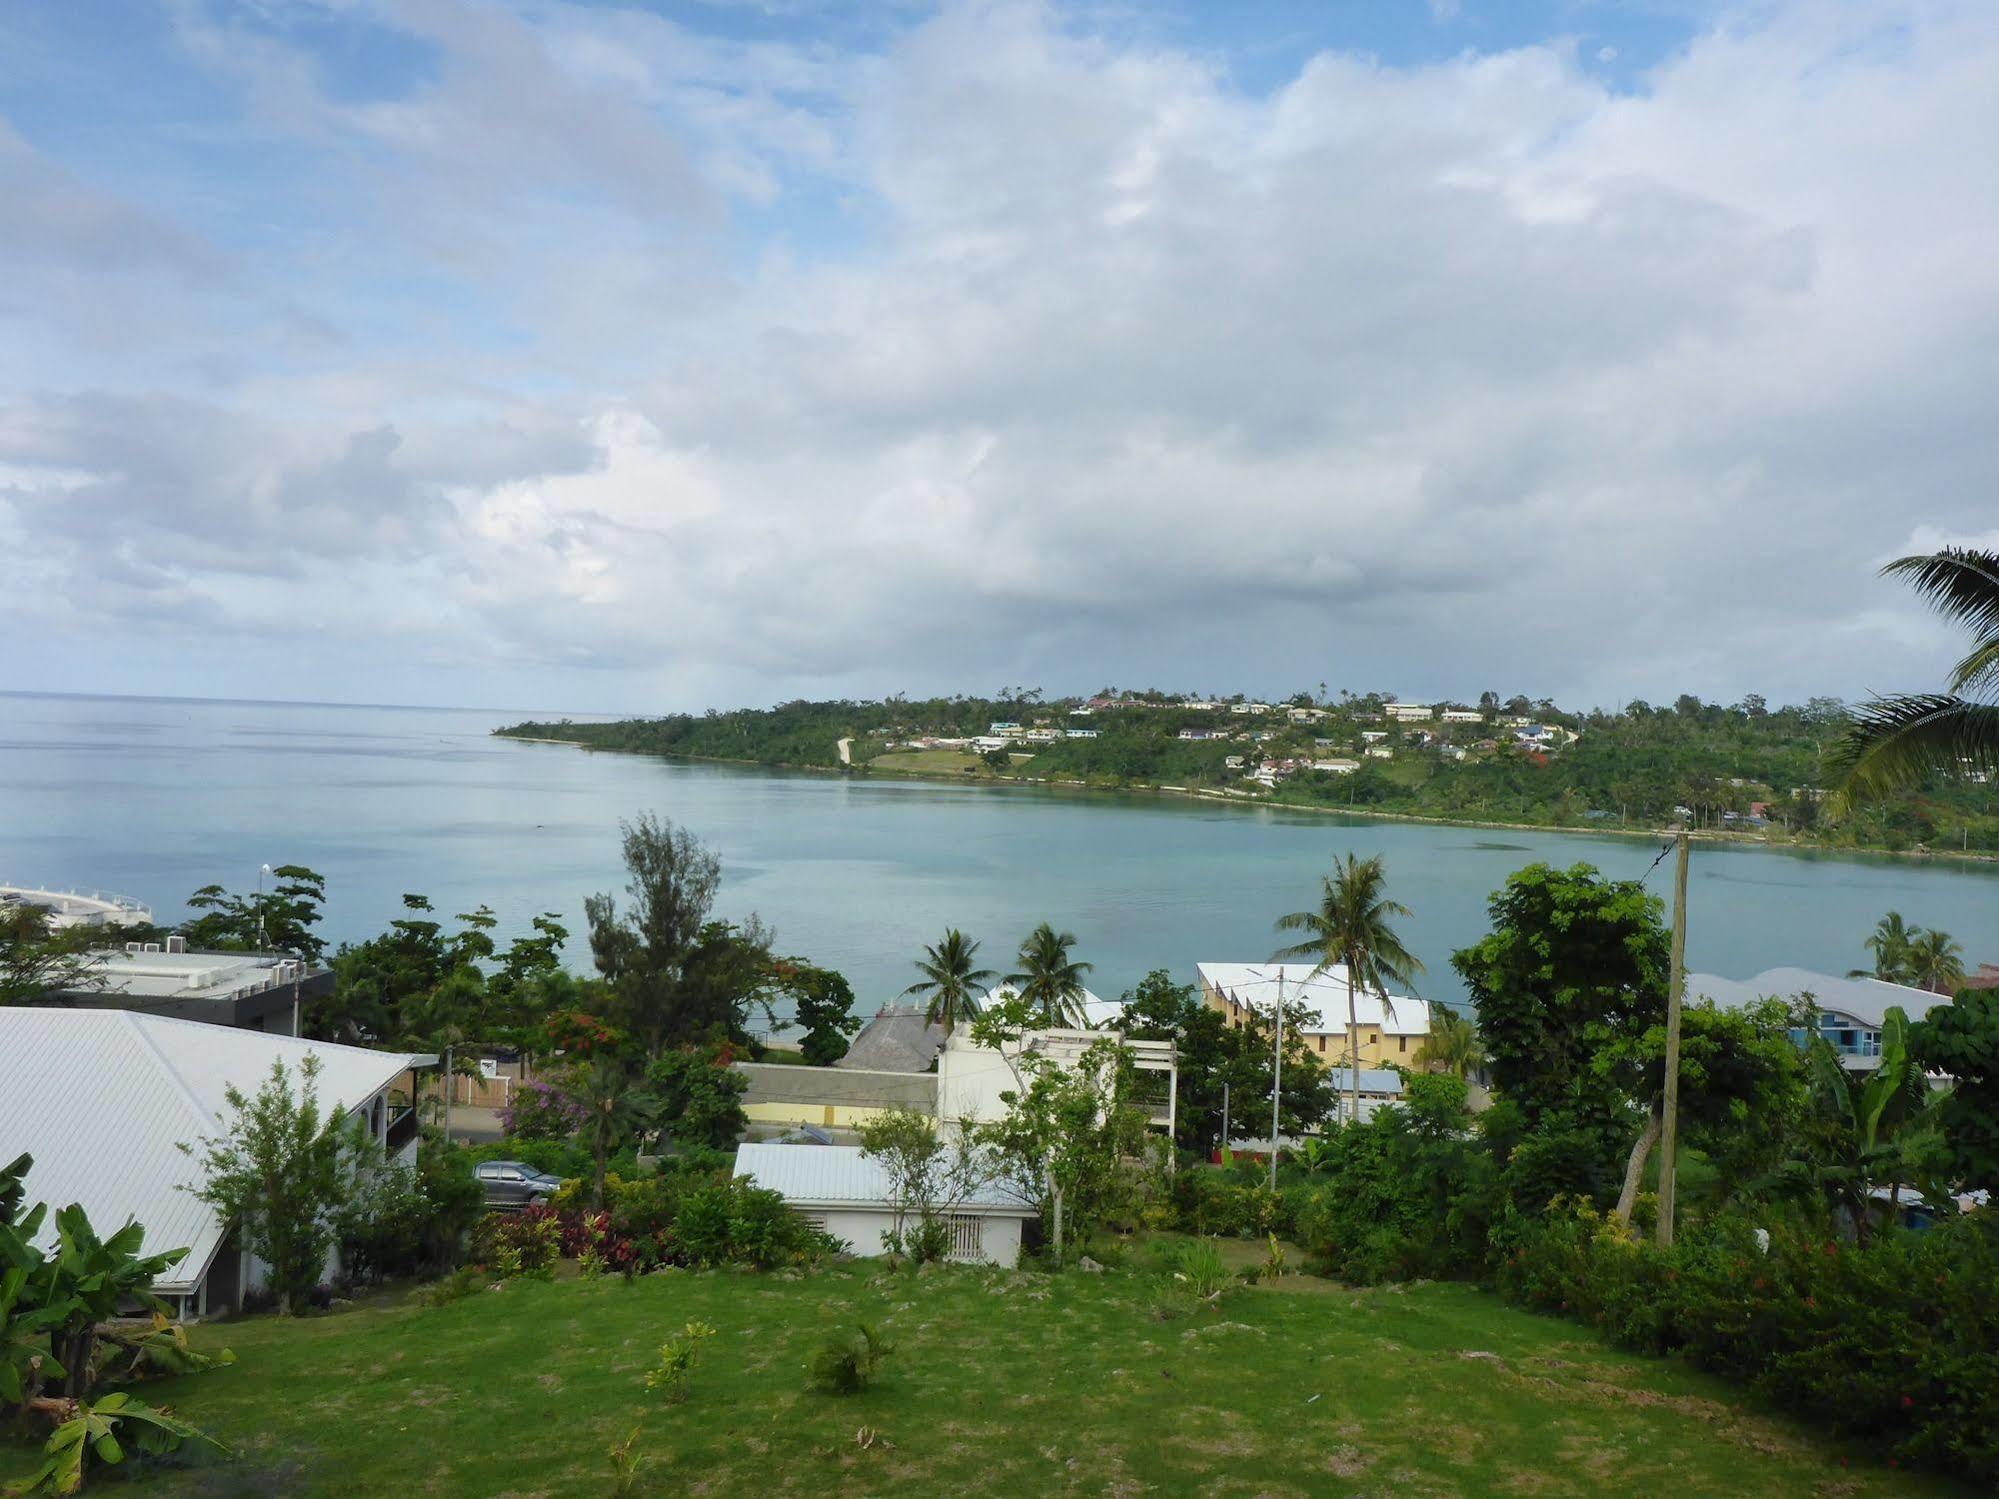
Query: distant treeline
[(1744, 766)]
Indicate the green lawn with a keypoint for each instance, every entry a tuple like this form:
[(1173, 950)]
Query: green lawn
[(1002, 1384), (930, 762)]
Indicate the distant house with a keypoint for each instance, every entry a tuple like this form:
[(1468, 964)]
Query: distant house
[(1080, 733), (1373, 736), (1337, 767), (1408, 712), (1380, 752), (1380, 1088), (1463, 715), (847, 1194), (1851, 1010), (1003, 728), (1391, 1028), (1308, 715), (103, 1099), (986, 743), (1232, 762), (1197, 734)]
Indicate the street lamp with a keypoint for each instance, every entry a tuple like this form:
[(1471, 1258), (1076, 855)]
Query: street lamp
[(263, 939)]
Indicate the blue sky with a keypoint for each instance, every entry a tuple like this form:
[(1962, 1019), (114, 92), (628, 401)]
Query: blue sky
[(595, 355)]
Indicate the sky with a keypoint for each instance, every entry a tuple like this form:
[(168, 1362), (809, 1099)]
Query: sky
[(607, 357)]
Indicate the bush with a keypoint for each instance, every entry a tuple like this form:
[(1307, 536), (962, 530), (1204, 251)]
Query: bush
[(1208, 1202), (1897, 1341), (849, 1360), (541, 1111), (1200, 1271), (527, 1243), (407, 1220)]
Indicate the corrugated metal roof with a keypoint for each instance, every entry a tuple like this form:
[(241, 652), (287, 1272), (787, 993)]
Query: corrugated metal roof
[(1323, 989), (842, 1176), (1866, 1000), (103, 1099), (1372, 1080)]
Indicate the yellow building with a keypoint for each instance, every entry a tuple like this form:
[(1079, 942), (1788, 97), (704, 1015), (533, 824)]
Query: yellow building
[(1390, 1028)]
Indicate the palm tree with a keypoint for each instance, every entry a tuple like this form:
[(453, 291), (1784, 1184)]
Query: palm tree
[(1898, 741), (615, 1109), (1351, 927), (950, 980), (1048, 979), (1453, 1045), (1935, 961), (1890, 945)]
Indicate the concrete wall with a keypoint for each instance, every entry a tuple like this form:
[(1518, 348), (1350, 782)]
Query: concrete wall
[(862, 1229)]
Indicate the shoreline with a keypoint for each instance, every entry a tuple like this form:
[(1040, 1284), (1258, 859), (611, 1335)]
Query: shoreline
[(1223, 798)]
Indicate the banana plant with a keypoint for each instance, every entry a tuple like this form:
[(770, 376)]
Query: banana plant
[(90, 1431), (93, 1280)]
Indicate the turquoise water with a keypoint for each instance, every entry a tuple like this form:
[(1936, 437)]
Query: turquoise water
[(152, 798)]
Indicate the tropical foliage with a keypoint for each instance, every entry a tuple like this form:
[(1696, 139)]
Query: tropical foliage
[(1048, 979), (950, 982)]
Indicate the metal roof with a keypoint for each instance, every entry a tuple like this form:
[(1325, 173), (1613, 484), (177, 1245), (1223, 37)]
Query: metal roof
[(841, 1176), (103, 1100), (1323, 989), (1865, 1000), (1097, 1013), (1372, 1080)]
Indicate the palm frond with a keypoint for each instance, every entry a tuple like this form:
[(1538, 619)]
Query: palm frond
[(1896, 740), (1960, 583)]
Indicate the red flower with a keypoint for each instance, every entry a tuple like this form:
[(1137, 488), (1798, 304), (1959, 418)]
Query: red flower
[(1907, 1402)]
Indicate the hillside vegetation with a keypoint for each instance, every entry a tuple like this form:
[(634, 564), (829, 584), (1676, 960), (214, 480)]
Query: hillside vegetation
[(1746, 768)]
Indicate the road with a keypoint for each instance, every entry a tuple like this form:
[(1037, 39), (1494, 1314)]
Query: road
[(845, 758)]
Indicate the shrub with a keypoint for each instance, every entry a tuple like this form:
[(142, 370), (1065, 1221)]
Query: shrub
[(402, 1220), (541, 1111), (1896, 1341), (1199, 1269), (526, 1243), (456, 1286), (849, 1360), (677, 1357)]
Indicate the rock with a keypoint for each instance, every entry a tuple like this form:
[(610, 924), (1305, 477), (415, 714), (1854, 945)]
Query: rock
[(1089, 1266)]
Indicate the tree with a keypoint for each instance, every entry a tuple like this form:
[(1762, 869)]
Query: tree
[(1962, 1040), (675, 977), (416, 985), (1213, 1055), (697, 1097), (1890, 944), (280, 919), (1049, 979), (615, 1111), (927, 1179), (1936, 962), (280, 1172), (1897, 742), (36, 959), (1452, 1046), (1572, 959), (1350, 927), (950, 980), (823, 1004)]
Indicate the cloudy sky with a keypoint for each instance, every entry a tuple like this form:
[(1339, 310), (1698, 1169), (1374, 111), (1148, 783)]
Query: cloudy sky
[(601, 356)]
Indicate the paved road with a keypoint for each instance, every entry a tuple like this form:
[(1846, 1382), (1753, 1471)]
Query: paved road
[(845, 758)]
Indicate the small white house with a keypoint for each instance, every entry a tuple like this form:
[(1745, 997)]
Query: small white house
[(840, 1190)]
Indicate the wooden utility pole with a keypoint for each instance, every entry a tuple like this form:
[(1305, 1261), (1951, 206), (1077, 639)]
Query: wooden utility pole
[(1276, 1077), (1669, 1128)]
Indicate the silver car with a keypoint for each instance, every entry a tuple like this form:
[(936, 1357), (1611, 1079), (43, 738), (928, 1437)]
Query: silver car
[(515, 1184)]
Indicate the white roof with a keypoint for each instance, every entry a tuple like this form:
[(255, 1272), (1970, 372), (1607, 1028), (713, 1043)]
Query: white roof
[(103, 1099), (189, 975), (841, 1176), (1324, 989), (1865, 1000), (1097, 1013)]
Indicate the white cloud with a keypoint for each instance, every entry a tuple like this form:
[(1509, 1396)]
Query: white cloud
[(1072, 362)]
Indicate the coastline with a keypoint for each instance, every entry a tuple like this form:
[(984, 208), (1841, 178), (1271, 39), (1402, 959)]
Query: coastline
[(1713, 836)]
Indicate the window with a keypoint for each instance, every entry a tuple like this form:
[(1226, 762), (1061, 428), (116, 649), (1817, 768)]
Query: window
[(1401, 1043), (1322, 1046), (967, 1237)]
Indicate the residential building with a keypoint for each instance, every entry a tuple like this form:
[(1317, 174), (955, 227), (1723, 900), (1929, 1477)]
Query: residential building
[(1380, 1088), (251, 991), (1080, 733), (1198, 734), (839, 1190), (897, 1038), (1232, 762), (1005, 730), (1308, 715), (835, 1101), (1380, 752), (1463, 715), (1391, 1028), (72, 908), (103, 1099), (972, 1079), (986, 743), (1337, 767), (1373, 736), (1408, 712), (1851, 1010)]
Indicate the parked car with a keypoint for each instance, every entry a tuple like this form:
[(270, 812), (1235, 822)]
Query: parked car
[(515, 1184)]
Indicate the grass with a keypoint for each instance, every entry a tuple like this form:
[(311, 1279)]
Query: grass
[(931, 762), (1000, 1384)]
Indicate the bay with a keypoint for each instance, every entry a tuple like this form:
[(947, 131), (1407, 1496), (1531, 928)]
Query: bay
[(154, 797)]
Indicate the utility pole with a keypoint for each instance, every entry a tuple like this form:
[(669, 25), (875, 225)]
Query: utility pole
[(447, 1095), (1276, 1077), (1225, 1118), (1669, 1129)]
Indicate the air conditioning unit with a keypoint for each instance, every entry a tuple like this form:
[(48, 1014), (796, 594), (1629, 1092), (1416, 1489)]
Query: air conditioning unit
[(152, 947), (176, 944), (131, 947)]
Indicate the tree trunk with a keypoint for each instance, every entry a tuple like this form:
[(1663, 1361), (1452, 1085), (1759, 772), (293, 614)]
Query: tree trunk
[(1055, 1195), (1353, 1039), (1634, 1168)]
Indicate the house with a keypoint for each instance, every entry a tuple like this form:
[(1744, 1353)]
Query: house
[(1380, 1088), (1232, 762), (845, 1193), (1199, 734), (1851, 1010), (1380, 752), (1080, 733), (1390, 1028), (972, 1080), (1463, 715), (898, 1038), (1408, 712), (1005, 730), (1337, 767), (103, 1099), (835, 1100), (986, 744), (251, 991), (1308, 715)]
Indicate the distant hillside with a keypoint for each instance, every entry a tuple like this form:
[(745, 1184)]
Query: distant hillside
[(1746, 768)]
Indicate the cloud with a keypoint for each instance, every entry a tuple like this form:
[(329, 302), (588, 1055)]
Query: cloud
[(1014, 349)]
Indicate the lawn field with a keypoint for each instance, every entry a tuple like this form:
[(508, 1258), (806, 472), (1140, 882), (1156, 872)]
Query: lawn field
[(1001, 1384), (931, 762)]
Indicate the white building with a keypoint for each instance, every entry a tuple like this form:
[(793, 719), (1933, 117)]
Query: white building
[(1392, 1027), (256, 991), (1463, 715), (1408, 712), (1080, 733), (1337, 767), (104, 1099), (971, 1079), (69, 908), (838, 1189), (1380, 752)]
